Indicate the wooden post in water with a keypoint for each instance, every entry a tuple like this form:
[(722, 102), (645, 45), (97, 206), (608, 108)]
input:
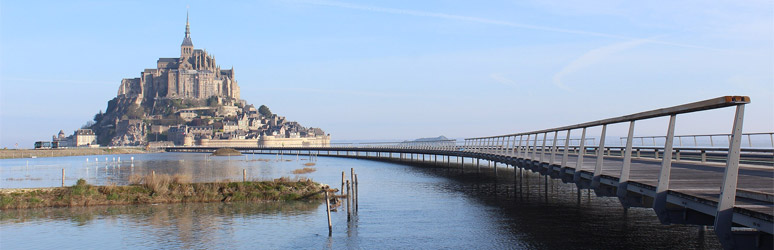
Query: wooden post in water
[(357, 191), (354, 188), (349, 204), (244, 175), (328, 210), (343, 178), (63, 176)]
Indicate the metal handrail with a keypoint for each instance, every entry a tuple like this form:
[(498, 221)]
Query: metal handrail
[(710, 136)]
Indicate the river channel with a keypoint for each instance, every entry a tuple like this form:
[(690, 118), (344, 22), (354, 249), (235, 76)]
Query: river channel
[(400, 207)]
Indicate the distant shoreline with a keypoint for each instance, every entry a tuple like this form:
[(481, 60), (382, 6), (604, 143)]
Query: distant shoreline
[(40, 153)]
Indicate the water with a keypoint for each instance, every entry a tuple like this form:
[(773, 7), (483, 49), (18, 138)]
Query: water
[(401, 207)]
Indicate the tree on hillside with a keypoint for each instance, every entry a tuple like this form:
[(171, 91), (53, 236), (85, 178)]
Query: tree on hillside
[(98, 117), (213, 101), (135, 112), (264, 111)]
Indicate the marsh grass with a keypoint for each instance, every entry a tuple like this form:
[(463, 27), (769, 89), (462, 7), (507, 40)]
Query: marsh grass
[(162, 188), (304, 170), (226, 152)]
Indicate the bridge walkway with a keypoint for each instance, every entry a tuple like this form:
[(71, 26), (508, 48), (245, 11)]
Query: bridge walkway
[(691, 178)]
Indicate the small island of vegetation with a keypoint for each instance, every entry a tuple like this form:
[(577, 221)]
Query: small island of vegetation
[(161, 189), (226, 152)]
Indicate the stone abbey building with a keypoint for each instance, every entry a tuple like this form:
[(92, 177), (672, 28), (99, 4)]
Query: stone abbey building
[(193, 75), (189, 100)]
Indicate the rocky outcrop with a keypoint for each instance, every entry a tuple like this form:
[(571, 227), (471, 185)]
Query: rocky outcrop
[(130, 133)]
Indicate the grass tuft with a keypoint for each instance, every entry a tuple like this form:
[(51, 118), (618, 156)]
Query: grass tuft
[(304, 170)]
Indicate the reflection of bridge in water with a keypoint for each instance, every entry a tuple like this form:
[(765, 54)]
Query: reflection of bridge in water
[(729, 188)]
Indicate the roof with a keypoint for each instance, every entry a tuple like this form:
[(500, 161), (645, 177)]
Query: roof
[(187, 42), (168, 59)]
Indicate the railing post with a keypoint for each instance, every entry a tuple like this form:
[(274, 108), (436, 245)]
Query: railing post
[(503, 144), (725, 213), (487, 143), (543, 148), (749, 140), (553, 148), (581, 151), (507, 145), (517, 150), (526, 147), (623, 180), (534, 148), (660, 201), (600, 159), (566, 149)]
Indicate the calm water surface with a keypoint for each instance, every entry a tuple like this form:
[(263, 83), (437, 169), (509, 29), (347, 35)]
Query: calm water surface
[(401, 207)]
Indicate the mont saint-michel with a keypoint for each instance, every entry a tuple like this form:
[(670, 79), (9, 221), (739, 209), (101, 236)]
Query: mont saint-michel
[(188, 100)]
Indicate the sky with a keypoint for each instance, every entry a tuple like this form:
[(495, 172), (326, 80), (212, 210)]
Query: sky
[(393, 70)]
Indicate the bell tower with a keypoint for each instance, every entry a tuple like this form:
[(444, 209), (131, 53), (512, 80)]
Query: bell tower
[(186, 49)]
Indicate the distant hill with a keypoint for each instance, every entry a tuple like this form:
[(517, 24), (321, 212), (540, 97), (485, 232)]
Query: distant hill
[(430, 139)]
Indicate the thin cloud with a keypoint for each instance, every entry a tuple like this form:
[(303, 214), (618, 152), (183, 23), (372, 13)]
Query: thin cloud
[(484, 21), (503, 80), (592, 57)]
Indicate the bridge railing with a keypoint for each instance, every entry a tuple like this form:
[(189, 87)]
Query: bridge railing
[(507, 144), (762, 140), (750, 156)]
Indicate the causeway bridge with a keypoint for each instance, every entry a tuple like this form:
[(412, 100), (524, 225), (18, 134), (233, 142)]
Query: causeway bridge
[(728, 187)]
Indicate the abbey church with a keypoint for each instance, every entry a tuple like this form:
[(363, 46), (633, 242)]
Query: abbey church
[(189, 100), (193, 75)]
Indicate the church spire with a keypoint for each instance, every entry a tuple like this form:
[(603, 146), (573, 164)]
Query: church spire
[(187, 26), (186, 49)]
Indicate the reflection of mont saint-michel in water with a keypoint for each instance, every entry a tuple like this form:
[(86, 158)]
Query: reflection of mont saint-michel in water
[(189, 100)]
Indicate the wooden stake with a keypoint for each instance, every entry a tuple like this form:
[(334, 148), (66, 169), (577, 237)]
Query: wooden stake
[(352, 177), (357, 191), (343, 177), (349, 210), (328, 210), (63, 176), (244, 175)]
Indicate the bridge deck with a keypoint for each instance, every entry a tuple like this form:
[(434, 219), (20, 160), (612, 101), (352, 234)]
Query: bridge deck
[(702, 180)]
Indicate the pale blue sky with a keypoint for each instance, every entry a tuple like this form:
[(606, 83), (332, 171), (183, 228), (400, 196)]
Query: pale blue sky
[(400, 69)]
